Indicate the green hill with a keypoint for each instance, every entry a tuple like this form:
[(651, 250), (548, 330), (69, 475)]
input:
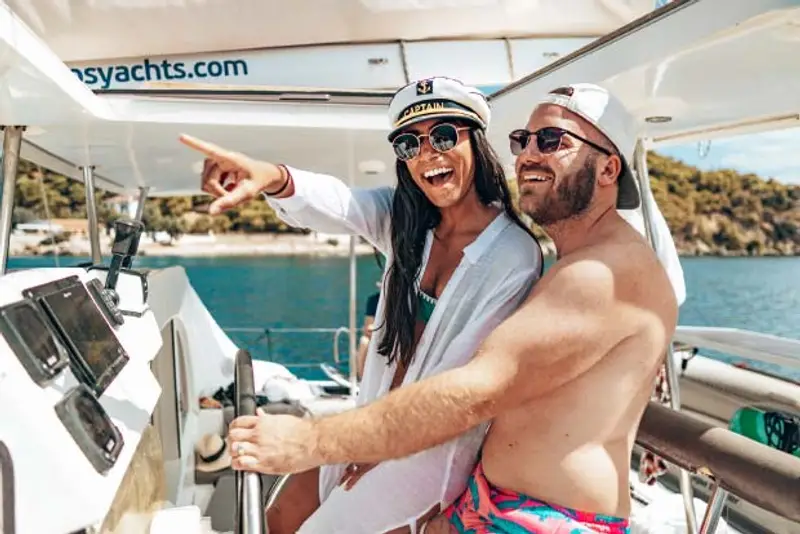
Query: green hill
[(710, 213), (724, 212)]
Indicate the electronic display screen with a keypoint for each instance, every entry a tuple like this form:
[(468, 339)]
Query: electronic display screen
[(90, 427), (96, 350), (27, 333), (96, 422)]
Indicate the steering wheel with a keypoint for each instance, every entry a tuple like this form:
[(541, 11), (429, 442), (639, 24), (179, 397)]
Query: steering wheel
[(249, 518)]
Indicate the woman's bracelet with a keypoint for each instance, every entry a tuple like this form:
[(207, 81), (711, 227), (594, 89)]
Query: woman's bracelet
[(287, 178)]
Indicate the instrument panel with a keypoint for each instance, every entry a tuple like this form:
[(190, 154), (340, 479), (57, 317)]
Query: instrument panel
[(80, 391), (57, 325), (95, 353)]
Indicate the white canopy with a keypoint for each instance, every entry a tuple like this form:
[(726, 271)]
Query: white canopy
[(99, 30), (696, 70)]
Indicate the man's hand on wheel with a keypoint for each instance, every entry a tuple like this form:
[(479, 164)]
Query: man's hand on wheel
[(273, 444)]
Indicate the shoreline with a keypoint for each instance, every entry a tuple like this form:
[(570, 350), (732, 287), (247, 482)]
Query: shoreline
[(232, 245), (266, 245)]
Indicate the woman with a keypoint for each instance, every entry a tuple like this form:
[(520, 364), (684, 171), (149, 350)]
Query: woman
[(459, 263)]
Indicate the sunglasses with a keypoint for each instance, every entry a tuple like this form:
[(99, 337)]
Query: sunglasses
[(442, 137), (548, 140)]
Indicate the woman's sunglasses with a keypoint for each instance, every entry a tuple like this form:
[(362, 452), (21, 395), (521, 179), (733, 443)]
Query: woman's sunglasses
[(442, 137), (548, 140)]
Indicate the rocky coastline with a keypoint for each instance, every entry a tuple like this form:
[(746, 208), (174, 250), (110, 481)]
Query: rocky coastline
[(276, 244)]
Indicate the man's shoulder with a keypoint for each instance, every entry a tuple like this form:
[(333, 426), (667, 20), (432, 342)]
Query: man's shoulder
[(622, 277), (642, 295), (635, 265), (622, 253), (584, 280), (607, 271)]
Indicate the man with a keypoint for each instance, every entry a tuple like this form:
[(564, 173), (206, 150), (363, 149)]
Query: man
[(564, 380)]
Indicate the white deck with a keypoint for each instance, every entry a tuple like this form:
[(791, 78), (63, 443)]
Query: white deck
[(659, 493)]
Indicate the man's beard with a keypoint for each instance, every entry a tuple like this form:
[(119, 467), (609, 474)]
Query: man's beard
[(572, 197)]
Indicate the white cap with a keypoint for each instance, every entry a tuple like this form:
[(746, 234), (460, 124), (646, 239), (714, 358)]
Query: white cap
[(438, 97), (603, 111)]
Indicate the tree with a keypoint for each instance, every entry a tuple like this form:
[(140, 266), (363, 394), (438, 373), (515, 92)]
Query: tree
[(722, 209)]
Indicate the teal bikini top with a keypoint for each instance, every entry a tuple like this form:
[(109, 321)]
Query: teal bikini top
[(425, 307)]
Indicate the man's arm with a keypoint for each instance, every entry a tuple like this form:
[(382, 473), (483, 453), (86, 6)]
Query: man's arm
[(559, 333)]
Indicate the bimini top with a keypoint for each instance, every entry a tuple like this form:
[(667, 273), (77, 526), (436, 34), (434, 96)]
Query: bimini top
[(693, 70), (97, 31)]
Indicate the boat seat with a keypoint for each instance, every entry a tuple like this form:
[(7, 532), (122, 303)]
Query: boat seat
[(205, 478), (221, 507)]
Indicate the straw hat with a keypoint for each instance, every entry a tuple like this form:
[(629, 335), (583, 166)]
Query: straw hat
[(213, 454)]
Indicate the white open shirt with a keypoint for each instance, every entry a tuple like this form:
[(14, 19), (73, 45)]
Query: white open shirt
[(496, 273)]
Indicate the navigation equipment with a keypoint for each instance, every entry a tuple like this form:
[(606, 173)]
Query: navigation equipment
[(90, 427), (105, 302), (96, 354), (33, 341)]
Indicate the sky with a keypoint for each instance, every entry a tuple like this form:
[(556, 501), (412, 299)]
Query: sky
[(774, 154)]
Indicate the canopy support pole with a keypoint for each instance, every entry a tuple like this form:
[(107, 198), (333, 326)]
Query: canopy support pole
[(141, 200), (353, 295), (12, 142), (91, 214), (643, 177)]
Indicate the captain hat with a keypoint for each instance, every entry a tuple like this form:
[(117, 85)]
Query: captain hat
[(606, 113), (435, 98)]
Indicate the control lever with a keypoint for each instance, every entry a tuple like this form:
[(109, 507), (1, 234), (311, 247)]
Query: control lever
[(126, 243)]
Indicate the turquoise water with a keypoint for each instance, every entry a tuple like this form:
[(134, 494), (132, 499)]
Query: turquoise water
[(761, 294)]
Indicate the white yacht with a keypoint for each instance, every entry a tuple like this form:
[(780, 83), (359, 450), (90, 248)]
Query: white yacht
[(102, 366)]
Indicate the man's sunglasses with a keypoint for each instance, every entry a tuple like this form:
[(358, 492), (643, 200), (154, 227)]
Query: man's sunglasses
[(442, 137), (548, 140)]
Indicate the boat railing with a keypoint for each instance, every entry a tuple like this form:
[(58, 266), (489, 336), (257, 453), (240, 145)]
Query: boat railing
[(339, 332), (780, 352), (766, 477), (262, 343)]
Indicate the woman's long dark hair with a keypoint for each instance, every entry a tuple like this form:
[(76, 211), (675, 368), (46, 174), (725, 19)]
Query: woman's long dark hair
[(412, 216)]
